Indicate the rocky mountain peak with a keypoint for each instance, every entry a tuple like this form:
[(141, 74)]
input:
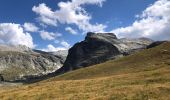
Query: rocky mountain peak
[(100, 47), (92, 34), (102, 36), (16, 48)]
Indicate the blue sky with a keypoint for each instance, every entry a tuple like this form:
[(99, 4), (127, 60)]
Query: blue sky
[(58, 24)]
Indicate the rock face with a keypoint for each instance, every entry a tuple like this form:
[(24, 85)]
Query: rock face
[(154, 44), (16, 62), (1, 78), (100, 47)]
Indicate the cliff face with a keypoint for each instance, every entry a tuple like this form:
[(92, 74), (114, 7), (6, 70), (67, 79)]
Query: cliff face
[(100, 47), (16, 62)]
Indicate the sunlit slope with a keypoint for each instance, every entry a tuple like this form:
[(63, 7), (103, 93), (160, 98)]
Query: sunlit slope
[(141, 76)]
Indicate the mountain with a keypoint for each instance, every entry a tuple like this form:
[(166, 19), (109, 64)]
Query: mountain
[(17, 62), (143, 75), (95, 49), (101, 47), (60, 53)]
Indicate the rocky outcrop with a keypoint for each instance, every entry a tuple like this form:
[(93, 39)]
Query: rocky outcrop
[(156, 43), (1, 78), (17, 62), (100, 47)]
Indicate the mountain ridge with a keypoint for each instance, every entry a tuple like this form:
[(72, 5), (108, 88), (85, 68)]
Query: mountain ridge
[(101, 47), (18, 62)]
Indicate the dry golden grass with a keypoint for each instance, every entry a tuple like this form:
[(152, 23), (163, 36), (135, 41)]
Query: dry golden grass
[(142, 76), (139, 86)]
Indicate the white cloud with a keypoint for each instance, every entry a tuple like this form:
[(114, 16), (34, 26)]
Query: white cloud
[(30, 27), (65, 44), (46, 15), (58, 34), (56, 41), (70, 12), (51, 48), (13, 34), (153, 23), (49, 35), (70, 30)]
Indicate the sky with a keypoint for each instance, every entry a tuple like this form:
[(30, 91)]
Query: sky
[(53, 25)]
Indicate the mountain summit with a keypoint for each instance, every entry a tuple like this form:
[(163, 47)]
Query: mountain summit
[(100, 47)]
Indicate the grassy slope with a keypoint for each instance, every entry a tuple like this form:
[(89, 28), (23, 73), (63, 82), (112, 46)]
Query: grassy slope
[(141, 76)]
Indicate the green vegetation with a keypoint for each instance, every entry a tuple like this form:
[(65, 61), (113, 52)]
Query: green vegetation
[(141, 76)]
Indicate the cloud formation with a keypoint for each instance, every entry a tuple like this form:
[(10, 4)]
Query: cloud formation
[(64, 46), (30, 27), (13, 34), (70, 30), (46, 15), (51, 48), (154, 22), (70, 12), (49, 35)]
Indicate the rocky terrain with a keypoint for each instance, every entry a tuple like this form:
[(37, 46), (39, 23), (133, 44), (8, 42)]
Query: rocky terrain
[(18, 62), (100, 47)]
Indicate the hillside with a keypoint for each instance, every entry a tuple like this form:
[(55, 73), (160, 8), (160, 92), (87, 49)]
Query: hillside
[(18, 62), (141, 76)]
